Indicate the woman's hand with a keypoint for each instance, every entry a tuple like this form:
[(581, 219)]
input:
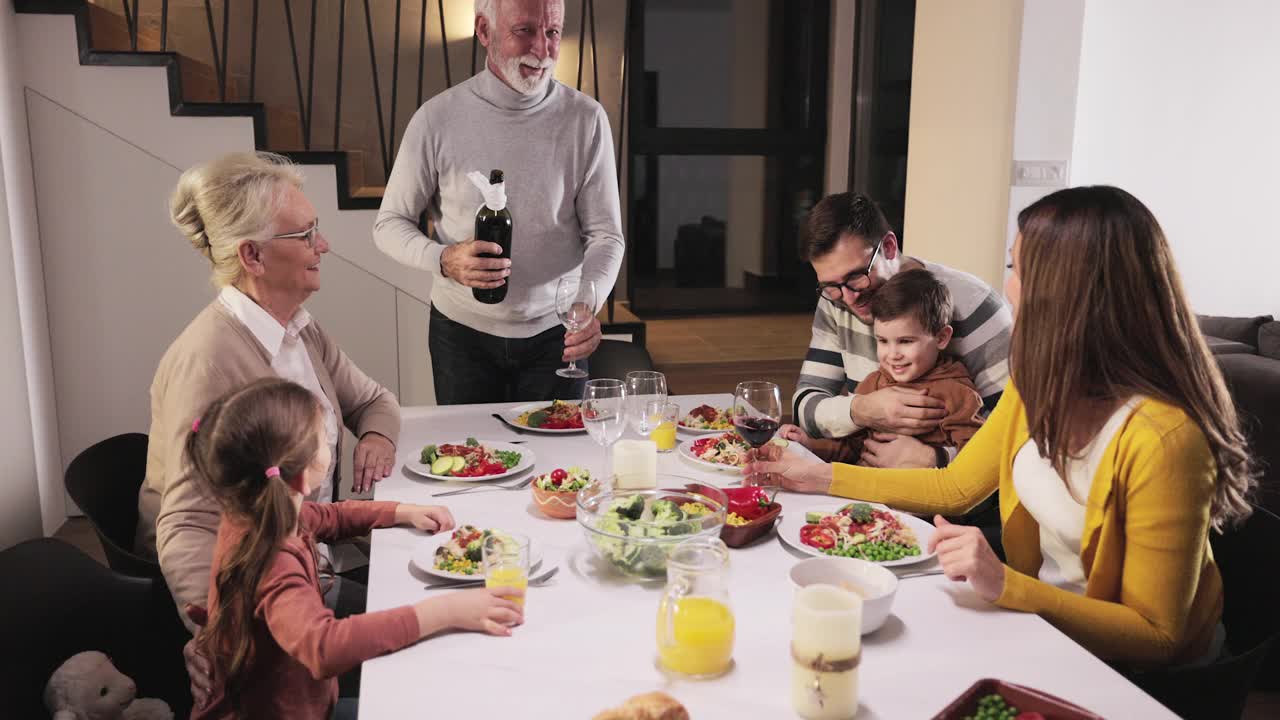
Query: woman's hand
[(487, 610), (375, 455), (965, 554), (799, 472), (430, 518)]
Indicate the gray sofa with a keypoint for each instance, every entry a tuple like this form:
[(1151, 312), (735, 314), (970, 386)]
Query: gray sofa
[(1248, 351)]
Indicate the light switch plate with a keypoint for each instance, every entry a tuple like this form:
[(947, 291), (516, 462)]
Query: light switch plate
[(1039, 173)]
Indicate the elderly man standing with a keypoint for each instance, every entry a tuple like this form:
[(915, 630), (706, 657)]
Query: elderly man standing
[(555, 147)]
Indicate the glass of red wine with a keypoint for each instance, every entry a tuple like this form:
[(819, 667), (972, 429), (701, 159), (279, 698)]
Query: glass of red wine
[(757, 412)]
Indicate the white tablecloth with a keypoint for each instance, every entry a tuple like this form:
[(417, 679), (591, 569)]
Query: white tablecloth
[(588, 638)]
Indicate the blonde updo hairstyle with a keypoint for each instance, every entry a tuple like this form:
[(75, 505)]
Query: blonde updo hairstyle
[(220, 203)]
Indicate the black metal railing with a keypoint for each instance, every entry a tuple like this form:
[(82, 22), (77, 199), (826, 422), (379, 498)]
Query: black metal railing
[(216, 48)]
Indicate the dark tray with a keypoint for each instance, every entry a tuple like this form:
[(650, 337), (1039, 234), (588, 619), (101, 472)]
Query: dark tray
[(1024, 698)]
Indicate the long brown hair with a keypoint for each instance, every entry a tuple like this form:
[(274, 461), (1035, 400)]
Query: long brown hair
[(267, 423), (1102, 317)]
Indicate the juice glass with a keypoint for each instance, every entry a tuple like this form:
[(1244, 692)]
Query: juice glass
[(695, 628), (663, 416), (505, 558)]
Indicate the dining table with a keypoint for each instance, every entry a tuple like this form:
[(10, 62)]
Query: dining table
[(588, 641)]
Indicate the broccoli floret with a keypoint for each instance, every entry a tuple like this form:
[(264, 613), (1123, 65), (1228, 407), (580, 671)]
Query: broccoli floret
[(472, 442), (665, 511), (474, 550), (428, 455), (686, 527), (858, 512), (630, 508)]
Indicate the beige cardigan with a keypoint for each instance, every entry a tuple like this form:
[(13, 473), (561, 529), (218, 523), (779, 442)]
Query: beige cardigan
[(177, 521)]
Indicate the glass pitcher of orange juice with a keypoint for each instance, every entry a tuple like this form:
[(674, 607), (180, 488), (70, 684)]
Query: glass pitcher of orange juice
[(695, 620)]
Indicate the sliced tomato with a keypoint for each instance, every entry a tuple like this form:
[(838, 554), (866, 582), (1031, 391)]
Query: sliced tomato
[(819, 537)]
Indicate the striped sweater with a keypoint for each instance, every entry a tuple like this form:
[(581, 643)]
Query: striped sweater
[(843, 351)]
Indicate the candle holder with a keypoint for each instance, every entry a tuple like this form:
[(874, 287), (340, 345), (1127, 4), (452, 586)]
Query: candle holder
[(826, 650)]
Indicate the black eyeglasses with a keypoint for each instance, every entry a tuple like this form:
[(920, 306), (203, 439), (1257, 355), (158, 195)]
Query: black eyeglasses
[(857, 281), (308, 236)]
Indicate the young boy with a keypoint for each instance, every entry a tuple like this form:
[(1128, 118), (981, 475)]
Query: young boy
[(911, 315)]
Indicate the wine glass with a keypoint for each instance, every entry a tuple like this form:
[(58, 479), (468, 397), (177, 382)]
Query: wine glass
[(603, 414), (646, 394), (757, 412), (575, 304)]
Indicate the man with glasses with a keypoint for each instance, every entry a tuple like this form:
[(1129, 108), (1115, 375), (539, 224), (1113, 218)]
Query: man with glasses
[(854, 252)]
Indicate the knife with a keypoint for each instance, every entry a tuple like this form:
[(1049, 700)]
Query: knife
[(510, 424)]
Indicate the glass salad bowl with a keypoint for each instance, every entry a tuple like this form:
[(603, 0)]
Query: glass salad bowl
[(635, 530)]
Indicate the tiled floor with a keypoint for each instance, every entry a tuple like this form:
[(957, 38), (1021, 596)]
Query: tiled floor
[(78, 532)]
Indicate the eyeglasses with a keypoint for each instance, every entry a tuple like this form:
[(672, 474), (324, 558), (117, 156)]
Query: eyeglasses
[(308, 236), (857, 281)]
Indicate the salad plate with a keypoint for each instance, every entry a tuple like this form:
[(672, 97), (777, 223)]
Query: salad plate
[(839, 532), (476, 461), (558, 417), (463, 551)]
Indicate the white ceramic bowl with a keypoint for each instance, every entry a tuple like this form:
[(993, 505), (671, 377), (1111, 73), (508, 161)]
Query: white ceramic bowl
[(875, 584)]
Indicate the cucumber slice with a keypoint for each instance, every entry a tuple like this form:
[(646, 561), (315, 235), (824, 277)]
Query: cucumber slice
[(814, 517), (458, 463), (780, 442), (443, 465)]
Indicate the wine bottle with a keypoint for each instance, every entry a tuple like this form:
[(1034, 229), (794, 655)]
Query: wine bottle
[(493, 224)]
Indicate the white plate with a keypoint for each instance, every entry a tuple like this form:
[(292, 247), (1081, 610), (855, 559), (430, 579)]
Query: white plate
[(696, 431), (789, 531), (424, 558), (686, 450), (519, 410), (527, 459)]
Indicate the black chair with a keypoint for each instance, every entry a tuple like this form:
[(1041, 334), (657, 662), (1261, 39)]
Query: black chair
[(1248, 558), (58, 602), (616, 358), (104, 481)]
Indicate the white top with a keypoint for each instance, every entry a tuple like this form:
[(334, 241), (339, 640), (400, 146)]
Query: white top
[(291, 361), (1059, 506), (597, 631)]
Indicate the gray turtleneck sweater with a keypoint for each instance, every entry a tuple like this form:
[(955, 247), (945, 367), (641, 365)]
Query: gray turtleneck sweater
[(556, 150)]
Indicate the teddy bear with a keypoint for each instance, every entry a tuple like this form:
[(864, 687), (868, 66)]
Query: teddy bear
[(88, 687)]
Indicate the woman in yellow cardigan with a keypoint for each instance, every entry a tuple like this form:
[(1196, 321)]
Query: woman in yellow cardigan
[(1115, 446)]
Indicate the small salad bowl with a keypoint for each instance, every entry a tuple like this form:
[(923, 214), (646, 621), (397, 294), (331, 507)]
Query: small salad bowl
[(556, 493), (876, 585)]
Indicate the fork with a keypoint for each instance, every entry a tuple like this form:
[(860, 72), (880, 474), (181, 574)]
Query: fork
[(535, 581), (513, 486)]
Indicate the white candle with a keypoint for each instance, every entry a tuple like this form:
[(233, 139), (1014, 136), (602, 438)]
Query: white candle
[(826, 648), (635, 464)]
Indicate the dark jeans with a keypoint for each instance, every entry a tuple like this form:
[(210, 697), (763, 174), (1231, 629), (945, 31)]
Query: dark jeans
[(474, 367)]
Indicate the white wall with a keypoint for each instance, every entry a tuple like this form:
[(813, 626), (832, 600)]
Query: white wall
[(1045, 109), (1179, 103), (19, 511)]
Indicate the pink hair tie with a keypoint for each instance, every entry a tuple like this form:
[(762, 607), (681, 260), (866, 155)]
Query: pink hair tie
[(195, 425), (273, 472)]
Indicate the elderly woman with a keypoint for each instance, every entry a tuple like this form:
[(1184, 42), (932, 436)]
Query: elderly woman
[(1115, 447), (246, 213)]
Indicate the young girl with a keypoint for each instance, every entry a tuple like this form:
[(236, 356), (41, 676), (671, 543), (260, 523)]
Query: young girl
[(276, 649)]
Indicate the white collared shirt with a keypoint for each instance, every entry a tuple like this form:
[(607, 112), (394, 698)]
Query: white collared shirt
[(291, 361)]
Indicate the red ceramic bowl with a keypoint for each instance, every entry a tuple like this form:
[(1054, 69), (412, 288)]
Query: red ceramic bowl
[(556, 504), (736, 536), (1024, 698)]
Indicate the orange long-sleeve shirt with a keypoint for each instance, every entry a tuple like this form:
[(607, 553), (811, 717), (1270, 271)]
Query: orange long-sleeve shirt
[(300, 648)]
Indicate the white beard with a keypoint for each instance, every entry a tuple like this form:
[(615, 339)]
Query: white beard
[(510, 68)]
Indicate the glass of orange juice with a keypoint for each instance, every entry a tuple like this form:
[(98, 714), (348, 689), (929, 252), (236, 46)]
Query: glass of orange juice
[(695, 628), (505, 558), (663, 418)]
